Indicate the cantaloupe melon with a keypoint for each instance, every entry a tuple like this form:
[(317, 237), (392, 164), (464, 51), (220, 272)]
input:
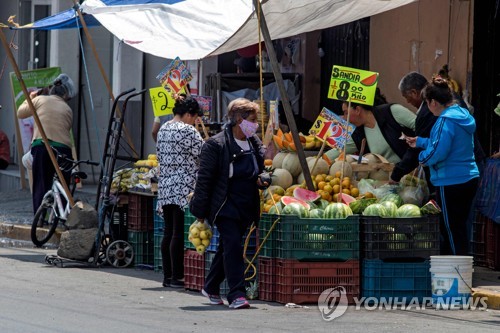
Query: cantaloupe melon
[(337, 166), (292, 164), (376, 174), (278, 159), (282, 177)]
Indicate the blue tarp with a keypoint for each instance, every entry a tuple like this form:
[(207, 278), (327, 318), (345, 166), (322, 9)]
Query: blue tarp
[(66, 19)]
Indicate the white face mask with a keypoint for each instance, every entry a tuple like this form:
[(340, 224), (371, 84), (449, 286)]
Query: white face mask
[(248, 128)]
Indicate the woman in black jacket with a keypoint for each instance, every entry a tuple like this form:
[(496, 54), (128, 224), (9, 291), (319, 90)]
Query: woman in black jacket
[(226, 194)]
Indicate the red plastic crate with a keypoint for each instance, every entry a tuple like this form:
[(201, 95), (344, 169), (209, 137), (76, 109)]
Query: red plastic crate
[(492, 244), (479, 239), (194, 270), (140, 212), (303, 282), (267, 279)]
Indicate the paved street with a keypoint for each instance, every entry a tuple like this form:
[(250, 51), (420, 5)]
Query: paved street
[(41, 298)]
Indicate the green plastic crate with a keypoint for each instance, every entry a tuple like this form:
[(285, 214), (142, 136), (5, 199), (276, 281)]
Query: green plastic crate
[(188, 220), (311, 239), (158, 264), (142, 243)]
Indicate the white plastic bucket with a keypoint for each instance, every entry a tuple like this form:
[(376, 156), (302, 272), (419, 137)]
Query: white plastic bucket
[(451, 278)]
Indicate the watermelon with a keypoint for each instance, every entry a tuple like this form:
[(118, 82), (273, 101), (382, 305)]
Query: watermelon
[(322, 203), (375, 210), (358, 206), (393, 197), (295, 208), (430, 208), (286, 200), (370, 80), (305, 195), (346, 198), (337, 210), (316, 213), (391, 208), (276, 209), (408, 210)]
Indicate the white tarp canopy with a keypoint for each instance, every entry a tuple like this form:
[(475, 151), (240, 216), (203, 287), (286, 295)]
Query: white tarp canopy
[(195, 29)]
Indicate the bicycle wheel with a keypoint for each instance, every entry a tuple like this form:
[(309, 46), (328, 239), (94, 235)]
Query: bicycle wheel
[(44, 224)]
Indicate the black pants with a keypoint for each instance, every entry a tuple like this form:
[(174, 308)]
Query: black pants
[(455, 201), (228, 260), (3, 164), (172, 245), (43, 172)]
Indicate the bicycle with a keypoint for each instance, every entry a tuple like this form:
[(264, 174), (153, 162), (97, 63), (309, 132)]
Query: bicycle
[(55, 206)]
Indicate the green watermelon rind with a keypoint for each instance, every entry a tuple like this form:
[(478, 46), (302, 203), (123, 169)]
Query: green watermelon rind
[(409, 210), (396, 198), (295, 208), (375, 210), (337, 210)]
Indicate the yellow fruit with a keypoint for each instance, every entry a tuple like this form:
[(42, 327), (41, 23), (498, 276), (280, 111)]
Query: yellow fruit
[(325, 195), (328, 188), (205, 242), (195, 232), (369, 195), (319, 178), (203, 235), (335, 181), (338, 174), (346, 191), (336, 189), (321, 185), (329, 178), (346, 183), (152, 157), (196, 241), (200, 249), (355, 192)]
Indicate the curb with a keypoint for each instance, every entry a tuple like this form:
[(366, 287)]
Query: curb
[(23, 232), (493, 297)]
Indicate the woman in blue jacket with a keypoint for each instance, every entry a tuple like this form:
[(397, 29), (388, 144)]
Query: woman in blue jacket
[(449, 154)]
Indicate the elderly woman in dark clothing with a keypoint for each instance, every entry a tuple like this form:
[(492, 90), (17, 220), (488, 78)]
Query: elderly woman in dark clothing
[(226, 194)]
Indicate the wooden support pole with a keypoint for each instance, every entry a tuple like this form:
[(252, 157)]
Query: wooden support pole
[(103, 73), (284, 96), (36, 118)]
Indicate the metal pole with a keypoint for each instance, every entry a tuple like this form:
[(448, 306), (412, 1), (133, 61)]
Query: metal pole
[(284, 97)]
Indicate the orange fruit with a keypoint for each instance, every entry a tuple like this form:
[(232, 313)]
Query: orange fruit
[(336, 181), (355, 192), (346, 183), (336, 188), (319, 178), (335, 197), (328, 188), (268, 162), (346, 191), (325, 195), (369, 195), (321, 185), (329, 178), (338, 174)]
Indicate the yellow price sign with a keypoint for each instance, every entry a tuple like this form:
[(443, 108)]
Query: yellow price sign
[(332, 128), (162, 100), (351, 83)]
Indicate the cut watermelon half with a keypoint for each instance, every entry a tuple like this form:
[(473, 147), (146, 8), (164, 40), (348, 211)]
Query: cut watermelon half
[(286, 200), (305, 195), (346, 198)]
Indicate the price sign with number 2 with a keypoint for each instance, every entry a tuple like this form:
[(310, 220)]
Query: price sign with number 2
[(332, 128)]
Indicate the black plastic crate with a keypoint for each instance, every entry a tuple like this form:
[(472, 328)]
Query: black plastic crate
[(118, 225), (387, 238)]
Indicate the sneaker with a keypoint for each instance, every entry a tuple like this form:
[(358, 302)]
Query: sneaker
[(214, 299), (174, 283), (166, 283), (239, 303)]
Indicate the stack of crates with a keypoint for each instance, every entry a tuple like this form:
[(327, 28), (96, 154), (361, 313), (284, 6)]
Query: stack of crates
[(195, 271), (194, 263), (486, 241), (301, 258), (396, 254), (140, 228), (159, 228)]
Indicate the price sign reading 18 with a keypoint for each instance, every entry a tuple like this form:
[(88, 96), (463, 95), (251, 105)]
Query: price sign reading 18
[(356, 84)]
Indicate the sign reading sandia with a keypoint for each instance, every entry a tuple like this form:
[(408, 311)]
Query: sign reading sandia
[(356, 84)]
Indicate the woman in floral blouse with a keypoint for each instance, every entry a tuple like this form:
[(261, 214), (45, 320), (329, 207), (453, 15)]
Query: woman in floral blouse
[(178, 149)]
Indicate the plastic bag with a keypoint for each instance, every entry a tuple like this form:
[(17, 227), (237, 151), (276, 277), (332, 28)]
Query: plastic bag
[(200, 234), (413, 189), (377, 188)]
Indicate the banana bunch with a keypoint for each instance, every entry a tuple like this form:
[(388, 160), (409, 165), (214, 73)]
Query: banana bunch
[(151, 162)]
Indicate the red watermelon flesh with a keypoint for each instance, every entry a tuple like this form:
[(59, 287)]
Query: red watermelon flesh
[(286, 200), (370, 80), (346, 198), (305, 195)]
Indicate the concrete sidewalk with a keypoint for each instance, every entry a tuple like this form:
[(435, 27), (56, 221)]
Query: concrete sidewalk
[(16, 216)]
